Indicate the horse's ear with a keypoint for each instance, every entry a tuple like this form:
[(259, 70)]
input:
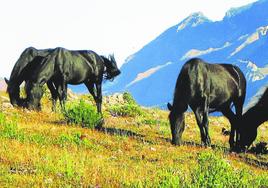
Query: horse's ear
[(111, 57), (169, 106), (6, 80)]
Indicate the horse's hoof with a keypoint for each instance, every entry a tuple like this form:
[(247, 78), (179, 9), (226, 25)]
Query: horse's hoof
[(100, 124), (175, 143), (236, 149)]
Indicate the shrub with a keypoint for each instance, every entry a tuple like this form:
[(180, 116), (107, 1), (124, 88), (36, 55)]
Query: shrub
[(128, 108), (131, 110), (128, 98), (82, 113)]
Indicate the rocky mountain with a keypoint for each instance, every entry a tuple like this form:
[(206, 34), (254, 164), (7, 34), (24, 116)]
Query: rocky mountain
[(241, 38)]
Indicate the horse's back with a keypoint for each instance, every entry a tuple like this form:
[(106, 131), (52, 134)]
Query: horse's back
[(219, 83), (76, 66), (217, 74)]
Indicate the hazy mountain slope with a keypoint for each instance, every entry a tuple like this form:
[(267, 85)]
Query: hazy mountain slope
[(150, 74)]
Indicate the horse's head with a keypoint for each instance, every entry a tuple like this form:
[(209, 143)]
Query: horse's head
[(177, 124), (34, 95), (250, 121), (111, 67), (247, 137), (13, 91)]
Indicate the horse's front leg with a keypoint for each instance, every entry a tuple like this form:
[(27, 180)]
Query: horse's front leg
[(54, 94), (205, 121), (237, 126), (99, 97), (198, 118), (92, 91), (62, 92), (99, 103), (228, 113), (205, 125)]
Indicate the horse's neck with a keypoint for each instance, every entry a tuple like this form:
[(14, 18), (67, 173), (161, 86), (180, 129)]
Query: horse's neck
[(255, 116)]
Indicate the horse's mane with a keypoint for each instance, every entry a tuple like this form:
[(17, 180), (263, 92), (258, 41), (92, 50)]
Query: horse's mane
[(22, 63), (263, 101)]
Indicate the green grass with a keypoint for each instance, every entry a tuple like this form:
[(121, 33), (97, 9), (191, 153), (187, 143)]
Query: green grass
[(39, 149)]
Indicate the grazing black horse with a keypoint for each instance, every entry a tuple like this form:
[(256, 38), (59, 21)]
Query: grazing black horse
[(72, 67), (207, 88), (252, 119), (27, 63)]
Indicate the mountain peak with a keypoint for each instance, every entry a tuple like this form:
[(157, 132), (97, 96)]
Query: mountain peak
[(235, 11), (193, 20)]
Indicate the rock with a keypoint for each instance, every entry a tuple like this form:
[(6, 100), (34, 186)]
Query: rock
[(4, 99), (6, 105), (116, 98), (71, 95)]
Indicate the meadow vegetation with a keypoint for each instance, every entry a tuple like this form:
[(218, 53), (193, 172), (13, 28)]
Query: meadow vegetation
[(54, 149)]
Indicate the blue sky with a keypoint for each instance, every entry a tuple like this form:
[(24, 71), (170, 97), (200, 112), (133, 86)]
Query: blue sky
[(119, 26)]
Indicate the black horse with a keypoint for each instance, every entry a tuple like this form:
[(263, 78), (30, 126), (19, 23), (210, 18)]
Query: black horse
[(252, 119), (27, 63), (72, 67), (207, 88)]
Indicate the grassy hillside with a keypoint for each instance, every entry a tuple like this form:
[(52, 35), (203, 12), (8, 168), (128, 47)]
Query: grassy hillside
[(39, 149)]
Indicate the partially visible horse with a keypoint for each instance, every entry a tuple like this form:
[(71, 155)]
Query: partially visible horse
[(252, 119), (72, 67), (207, 88), (27, 63)]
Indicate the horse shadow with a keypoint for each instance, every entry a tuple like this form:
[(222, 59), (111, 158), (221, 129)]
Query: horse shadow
[(120, 132)]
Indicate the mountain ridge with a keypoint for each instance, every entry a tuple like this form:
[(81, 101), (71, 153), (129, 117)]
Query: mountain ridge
[(240, 36)]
